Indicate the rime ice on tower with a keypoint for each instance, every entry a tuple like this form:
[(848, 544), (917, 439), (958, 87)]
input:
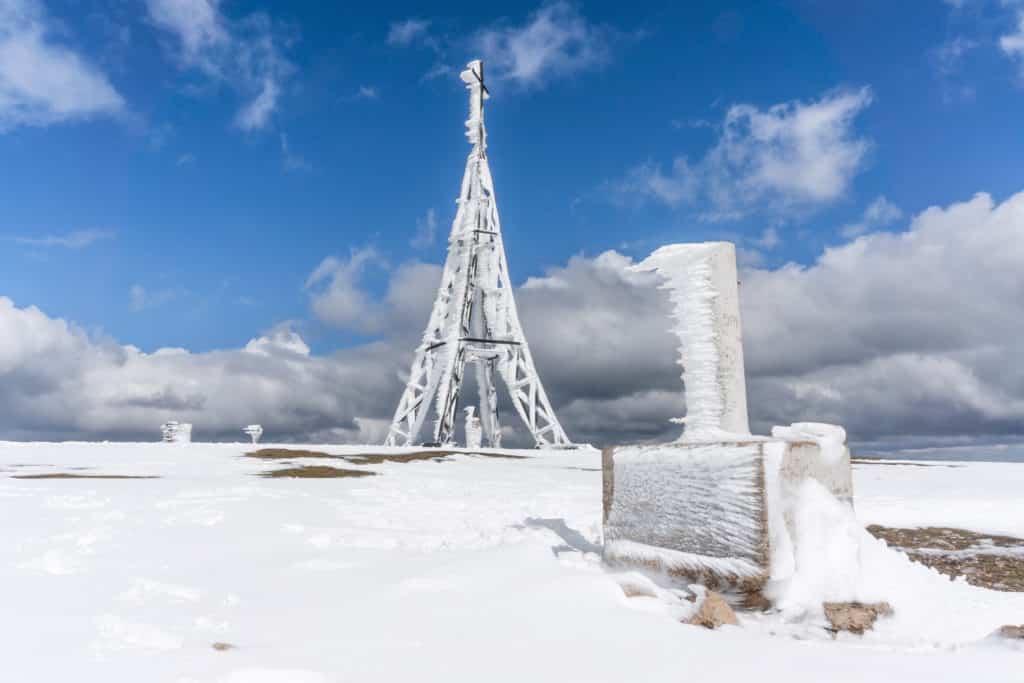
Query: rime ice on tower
[(254, 432), (176, 432), (474, 432), (474, 319), (713, 507)]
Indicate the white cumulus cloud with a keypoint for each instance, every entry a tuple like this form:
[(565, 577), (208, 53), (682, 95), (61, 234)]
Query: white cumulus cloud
[(1012, 44), (426, 231), (878, 214), (556, 41), (794, 154), (408, 31), (41, 81), (247, 54)]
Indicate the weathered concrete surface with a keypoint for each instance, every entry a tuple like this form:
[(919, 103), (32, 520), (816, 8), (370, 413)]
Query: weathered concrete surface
[(729, 336), (704, 290), (804, 460)]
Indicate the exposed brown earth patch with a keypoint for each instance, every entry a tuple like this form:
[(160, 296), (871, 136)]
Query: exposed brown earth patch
[(315, 472), (379, 458), (985, 560), (223, 647), (285, 453), (68, 475)]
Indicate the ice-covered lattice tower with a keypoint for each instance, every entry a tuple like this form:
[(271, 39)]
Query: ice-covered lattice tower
[(474, 318)]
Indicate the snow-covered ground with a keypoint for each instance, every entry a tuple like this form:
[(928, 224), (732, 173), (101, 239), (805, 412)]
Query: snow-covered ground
[(987, 497), (475, 568)]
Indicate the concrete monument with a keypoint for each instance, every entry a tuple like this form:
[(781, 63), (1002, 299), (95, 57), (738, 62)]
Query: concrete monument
[(712, 506)]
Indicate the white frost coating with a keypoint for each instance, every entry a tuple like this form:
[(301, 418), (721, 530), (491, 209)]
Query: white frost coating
[(779, 540), (678, 561), (474, 318), (473, 78), (176, 432), (701, 500), (833, 556), (830, 438), (473, 429), (801, 453), (702, 284), (254, 432)]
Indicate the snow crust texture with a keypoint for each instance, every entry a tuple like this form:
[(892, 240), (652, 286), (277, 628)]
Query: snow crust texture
[(473, 569)]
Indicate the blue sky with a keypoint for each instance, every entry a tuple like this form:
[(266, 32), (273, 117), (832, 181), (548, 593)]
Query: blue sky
[(207, 175), (220, 226)]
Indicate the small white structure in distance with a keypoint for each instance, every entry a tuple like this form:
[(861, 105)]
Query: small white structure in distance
[(176, 432), (254, 432), (715, 506), (474, 430)]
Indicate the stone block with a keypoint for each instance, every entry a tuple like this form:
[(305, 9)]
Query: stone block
[(712, 513), (693, 511)]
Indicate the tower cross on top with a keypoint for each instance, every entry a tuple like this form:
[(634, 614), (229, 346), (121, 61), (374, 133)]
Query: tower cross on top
[(475, 70)]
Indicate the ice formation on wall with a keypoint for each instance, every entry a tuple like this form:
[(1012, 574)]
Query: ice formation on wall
[(702, 285)]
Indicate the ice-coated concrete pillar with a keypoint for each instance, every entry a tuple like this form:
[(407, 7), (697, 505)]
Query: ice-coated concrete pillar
[(704, 290)]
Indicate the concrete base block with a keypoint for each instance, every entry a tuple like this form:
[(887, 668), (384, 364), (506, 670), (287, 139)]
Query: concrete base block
[(712, 513)]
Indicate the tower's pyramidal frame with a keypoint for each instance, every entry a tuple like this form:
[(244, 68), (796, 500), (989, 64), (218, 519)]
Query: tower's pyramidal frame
[(474, 318)]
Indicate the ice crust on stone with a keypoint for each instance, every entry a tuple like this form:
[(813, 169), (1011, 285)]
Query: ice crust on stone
[(702, 502), (679, 561)]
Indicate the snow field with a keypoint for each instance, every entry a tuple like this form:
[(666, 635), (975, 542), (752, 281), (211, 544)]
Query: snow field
[(469, 569)]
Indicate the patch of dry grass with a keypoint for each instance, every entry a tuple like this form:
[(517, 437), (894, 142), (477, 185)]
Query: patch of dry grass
[(980, 558), (436, 455), (315, 472), (286, 453)]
